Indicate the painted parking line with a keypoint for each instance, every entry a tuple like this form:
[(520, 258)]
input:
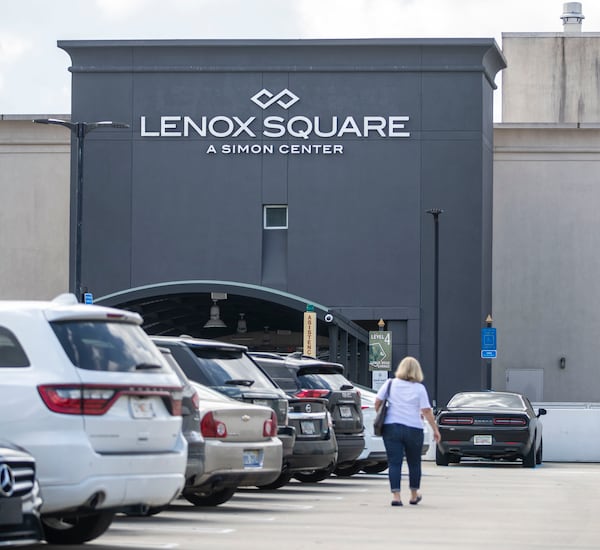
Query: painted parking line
[(124, 543), (115, 527)]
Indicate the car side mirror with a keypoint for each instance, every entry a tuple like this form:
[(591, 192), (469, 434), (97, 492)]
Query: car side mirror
[(541, 412)]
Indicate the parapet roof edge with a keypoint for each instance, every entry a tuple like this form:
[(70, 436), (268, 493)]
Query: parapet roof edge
[(558, 34), (282, 42), (547, 125), (31, 117)]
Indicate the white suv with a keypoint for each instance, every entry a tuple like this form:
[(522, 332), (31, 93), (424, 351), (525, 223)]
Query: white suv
[(88, 394)]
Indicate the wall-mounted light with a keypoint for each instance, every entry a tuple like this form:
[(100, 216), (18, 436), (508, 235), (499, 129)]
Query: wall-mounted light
[(562, 362), (241, 325), (214, 320)]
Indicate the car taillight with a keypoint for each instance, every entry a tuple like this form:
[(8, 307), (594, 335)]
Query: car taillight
[(78, 399), (456, 420), (509, 422), (96, 400), (176, 403), (283, 407), (196, 401), (211, 427), (313, 393), (270, 426)]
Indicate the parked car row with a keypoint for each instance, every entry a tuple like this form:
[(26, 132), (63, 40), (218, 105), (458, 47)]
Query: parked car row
[(303, 425), (100, 418)]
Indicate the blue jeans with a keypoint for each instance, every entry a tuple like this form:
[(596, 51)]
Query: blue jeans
[(400, 441)]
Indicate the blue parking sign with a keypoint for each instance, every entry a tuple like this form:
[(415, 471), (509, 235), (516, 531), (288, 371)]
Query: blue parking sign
[(488, 343)]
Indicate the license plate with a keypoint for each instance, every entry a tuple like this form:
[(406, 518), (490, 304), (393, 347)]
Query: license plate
[(10, 511), (141, 407), (482, 440), (252, 458), (307, 427), (345, 412)]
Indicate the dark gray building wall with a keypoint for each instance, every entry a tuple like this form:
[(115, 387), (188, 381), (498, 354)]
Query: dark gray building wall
[(160, 209)]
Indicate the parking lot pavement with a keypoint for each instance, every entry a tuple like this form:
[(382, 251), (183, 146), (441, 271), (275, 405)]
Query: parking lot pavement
[(469, 506)]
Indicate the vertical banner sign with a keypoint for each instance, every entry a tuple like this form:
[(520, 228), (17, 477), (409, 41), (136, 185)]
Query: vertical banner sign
[(380, 350), (310, 331)]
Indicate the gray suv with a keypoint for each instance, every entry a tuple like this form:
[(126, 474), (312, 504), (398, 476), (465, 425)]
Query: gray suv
[(306, 377)]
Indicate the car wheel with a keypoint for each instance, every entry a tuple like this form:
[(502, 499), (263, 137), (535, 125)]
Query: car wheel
[(539, 456), (441, 459), (282, 480), (145, 511), (375, 468), (529, 458), (347, 470), (76, 529), (210, 499), (314, 477)]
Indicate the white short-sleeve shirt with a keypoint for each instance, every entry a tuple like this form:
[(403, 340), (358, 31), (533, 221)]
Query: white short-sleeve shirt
[(405, 401)]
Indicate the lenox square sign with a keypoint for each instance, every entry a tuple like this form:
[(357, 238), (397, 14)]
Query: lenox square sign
[(350, 141)]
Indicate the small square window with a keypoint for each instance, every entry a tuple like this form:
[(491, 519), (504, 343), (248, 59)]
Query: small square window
[(276, 217)]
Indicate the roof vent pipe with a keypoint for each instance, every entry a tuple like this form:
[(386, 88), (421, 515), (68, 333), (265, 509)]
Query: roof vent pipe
[(572, 17)]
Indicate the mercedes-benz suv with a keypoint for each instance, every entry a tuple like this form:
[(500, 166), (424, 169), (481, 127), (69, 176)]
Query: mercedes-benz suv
[(20, 500)]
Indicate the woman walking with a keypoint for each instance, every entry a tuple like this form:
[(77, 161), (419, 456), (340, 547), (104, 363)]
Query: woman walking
[(408, 404)]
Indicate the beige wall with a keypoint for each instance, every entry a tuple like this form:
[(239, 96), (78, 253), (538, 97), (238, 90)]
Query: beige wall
[(546, 261), (34, 209)]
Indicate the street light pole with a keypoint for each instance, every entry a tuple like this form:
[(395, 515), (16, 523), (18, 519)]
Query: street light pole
[(435, 212), (79, 130)]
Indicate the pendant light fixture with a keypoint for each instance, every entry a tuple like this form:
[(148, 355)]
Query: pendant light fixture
[(214, 320)]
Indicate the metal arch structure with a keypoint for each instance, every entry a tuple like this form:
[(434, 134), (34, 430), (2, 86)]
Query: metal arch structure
[(182, 307)]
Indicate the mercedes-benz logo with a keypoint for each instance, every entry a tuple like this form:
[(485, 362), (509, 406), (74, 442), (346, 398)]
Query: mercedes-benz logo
[(7, 481)]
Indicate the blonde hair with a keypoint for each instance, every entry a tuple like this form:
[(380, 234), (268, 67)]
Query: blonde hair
[(409, 369)]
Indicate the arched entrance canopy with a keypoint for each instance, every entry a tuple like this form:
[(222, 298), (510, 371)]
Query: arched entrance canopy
[(182, 307)]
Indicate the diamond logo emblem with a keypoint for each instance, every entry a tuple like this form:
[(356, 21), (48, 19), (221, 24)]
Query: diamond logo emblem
[(265, 98)]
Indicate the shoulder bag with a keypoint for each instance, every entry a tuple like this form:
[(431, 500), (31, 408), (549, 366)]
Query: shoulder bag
[(380, 416)]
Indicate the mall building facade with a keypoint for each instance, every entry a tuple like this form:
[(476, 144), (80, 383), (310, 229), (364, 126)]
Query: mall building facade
[(264, 176)]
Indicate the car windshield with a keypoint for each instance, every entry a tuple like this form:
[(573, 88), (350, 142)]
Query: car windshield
[(207, 394), (283, 376), (485, 401), (221, 367), (108, 346), (333, 382)]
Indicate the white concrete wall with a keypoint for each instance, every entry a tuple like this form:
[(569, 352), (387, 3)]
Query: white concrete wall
[(34, 209), (571, 432)]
